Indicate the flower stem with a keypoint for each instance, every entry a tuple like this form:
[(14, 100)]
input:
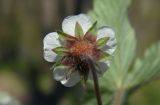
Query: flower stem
[(95, 80)]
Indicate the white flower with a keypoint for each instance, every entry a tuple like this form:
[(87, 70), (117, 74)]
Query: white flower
[(71, 48)]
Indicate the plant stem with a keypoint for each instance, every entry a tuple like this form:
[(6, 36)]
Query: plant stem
[(95, 80), (119, 97)]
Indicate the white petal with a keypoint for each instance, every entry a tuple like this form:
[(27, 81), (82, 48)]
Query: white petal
[(50, 41), (74, 79), (68, 24), (102, 67), (60, 72), (112, 43)]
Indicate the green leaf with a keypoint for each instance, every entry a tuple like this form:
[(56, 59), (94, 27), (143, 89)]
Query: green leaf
[(102, 42), (146, 68), (113, 13), (123, 73), (60, 50), (78, 30)]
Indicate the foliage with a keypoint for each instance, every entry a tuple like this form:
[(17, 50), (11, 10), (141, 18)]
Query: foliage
[(126, 71)]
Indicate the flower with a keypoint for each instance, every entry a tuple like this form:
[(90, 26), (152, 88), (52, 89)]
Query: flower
[(79, 41)]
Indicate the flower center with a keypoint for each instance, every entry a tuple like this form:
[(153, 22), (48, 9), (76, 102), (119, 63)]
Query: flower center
[(82, 48)]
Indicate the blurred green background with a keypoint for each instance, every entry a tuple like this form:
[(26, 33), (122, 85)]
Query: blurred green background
[(25, 75)]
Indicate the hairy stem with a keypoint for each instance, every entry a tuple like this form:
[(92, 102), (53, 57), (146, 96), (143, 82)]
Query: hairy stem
[(95, 80)]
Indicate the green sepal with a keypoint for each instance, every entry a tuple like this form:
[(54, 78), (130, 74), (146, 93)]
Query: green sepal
[(63, 38), (61, 33), (54, 65), (98, 70), (104, 56), (78, 30), (61, 67), (57, 62), (60, 50), (92, 30), (102, 42)]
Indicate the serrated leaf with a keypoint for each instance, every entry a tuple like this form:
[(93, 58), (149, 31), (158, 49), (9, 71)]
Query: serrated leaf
[(60, 50), (78, 30), (102, 42), (145, 69), (113, 13)]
